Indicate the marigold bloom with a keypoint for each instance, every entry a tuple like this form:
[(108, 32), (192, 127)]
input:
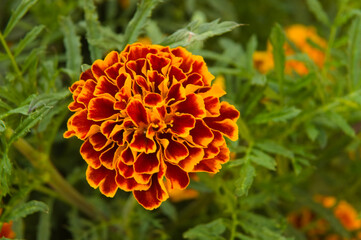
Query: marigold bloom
[(301, 36), (6, 230), (148, 115)]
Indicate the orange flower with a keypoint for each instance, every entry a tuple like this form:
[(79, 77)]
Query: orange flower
[(148, 115), (6, 230), (300, 36)]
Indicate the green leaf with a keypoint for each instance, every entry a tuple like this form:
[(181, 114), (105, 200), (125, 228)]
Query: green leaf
[(209, 231), (354, 52), (44, 227), (30, 36), (2, 126), (263, 159), (26, 209), (72, 46), (92, 27), (317, 10), (244, 182), (28, 123), (311, 131), (342, 124), (272, 147), (195, 32), (19, 12), (5, 172), (276, 116), (144, 10), (169, 210), (278, 39), (19, 110)]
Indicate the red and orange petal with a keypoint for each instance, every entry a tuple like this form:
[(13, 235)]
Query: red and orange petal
[(6, 230), (149, 116)]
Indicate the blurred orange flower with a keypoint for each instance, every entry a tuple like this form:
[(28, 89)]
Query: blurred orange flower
[(146, 115), (304, 39), (6, 230)]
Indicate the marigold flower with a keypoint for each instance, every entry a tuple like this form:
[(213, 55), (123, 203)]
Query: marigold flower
[(6, 230), (301, 36), (148, 115)]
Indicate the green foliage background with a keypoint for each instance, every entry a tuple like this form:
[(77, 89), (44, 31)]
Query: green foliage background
[(292, 146)]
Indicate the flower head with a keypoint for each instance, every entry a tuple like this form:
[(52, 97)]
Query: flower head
[(148, 115), (304, 39), (6, 230)]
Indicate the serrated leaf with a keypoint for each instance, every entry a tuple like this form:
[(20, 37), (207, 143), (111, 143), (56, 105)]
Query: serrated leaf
[(195, 32), (28, 123), (244, 182), (19, 110), (5, 172), (92, 27), (47, 99), (26, 209), (19, 12), (354, 52), (144, 10), (317, 10), (275, 148), (278, 39), (72, 46), (276, 116), (342, 124), (44, 227), (209, 231), (30, 36), (263, 159)]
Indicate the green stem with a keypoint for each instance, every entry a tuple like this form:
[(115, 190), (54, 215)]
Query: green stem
[(56, 181), (234, 226), (11, 56)]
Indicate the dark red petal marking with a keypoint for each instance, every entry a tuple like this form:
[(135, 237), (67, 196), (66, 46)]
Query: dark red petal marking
[(228, 127), (137, 113), (137, 52), (137, 67), (75, 106), (104, 86), (199, 66), (90, 156), (176, 75), (96, 176), (142, 82), (98, 140), (193, 105), (86, 93), (152, 99), (125, 170), (182, 124), (201, 134), (194, 79), (129, 184), (107, 157), (194, 157), (87, 74), (112, 72), (99, 66), (81, 125), (159, 64), (178, 178), (141, 143), (174, 151), (101, 108), (109, 187), (175, 94), (155, 79), (212, 105), (154, 196), (147, 163), (127, 156)]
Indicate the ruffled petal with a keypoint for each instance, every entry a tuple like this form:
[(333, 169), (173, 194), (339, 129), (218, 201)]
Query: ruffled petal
[(182, 124), (141, 143), (90, 156), (147, 163), (137, 113), (201, 134), (104, 179), (193, 104), (177, 178), (102, 108)]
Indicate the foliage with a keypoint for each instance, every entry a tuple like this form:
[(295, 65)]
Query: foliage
[(299, 134)]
